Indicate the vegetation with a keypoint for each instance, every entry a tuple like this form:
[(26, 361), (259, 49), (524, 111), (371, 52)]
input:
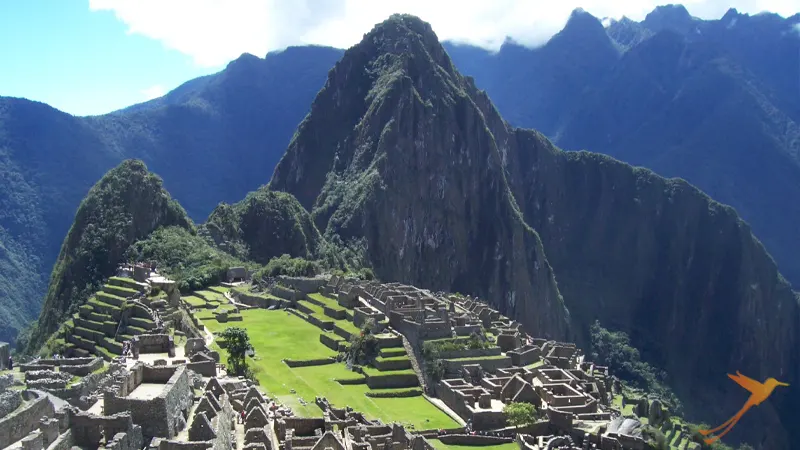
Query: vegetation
[(286, 265), (185, 257), (278, 335), (127, 204), (439, 445), (237, 344), (613, 348), (363, 345), (519, 413), (264, 225), (432, 348)]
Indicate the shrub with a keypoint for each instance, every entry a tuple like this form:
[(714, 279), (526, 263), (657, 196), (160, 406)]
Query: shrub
[(613, 349), (435, 369), (363, 345), (286, 265), (185, 257), (520, 414)]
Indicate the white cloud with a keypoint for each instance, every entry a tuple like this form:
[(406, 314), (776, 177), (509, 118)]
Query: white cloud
[(153, 92), (214, 32)]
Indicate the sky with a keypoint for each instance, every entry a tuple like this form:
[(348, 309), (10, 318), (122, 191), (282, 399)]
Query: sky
[(92, 57)]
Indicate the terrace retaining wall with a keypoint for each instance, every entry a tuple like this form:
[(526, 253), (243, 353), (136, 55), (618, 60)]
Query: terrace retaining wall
[(26, 418)]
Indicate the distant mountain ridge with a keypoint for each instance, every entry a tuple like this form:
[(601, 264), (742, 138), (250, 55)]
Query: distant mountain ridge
[(716, 102), (212, 139)]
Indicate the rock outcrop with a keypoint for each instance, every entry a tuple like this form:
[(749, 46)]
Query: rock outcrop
[(396, 151)]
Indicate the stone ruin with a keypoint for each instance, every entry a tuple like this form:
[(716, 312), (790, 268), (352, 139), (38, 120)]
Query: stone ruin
[(572, 393)]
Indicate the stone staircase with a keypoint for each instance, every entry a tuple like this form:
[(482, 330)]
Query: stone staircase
[(112, 316)]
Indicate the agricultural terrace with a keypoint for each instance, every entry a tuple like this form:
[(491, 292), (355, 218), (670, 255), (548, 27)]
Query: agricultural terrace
[(277, 335), (439, 445)]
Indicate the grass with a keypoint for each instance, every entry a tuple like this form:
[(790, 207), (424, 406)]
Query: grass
[(373, 372), (538, 363), (219, 289), (197, 302), (327, 301), (439, 445), (478, 358), (392, 352), (212, 296), (277, 335), (316, 309)]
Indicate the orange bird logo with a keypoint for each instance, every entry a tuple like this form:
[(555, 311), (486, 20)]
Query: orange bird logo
[(758, 393)]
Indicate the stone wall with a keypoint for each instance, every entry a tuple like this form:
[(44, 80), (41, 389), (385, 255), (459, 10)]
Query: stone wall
[(309, 362), (287, 293), (63, 442), (6, 381), (304, 285), (489, 365), (5, 351), (154, 343), (392, 381), (470, 353), (204, 368), (9, 402), (25, 419), (474, 439), (118, 430), (259, 301), (162, 416)]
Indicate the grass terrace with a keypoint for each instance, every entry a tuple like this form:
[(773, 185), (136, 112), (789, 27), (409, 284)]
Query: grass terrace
[(278, 335), (327, 301), (439, 445)]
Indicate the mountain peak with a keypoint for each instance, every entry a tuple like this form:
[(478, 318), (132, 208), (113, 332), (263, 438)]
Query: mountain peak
[(582, 28), (672, 17), (580, 19)]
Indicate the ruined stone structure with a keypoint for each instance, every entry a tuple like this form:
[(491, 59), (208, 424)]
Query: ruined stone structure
[(573, 395), (157, 397)]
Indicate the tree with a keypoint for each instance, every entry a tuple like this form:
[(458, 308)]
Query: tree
[(363, 345), (237, 344), (519, 413)]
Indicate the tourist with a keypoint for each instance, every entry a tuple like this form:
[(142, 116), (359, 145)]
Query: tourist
[(10, 363), (242, 416)]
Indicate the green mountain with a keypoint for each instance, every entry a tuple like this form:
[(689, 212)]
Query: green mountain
[(263, 226), (213, 139), (411, 157), (126, 205)]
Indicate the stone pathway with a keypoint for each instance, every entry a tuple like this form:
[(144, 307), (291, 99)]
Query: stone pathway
[(239, 434)]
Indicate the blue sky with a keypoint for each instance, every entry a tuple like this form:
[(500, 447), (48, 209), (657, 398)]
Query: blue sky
[(83, 62), (94, 56)]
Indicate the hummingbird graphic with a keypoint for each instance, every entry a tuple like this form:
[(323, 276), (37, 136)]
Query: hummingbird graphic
[(758, 393)]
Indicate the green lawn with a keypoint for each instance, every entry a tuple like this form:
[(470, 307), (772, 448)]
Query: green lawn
[(212, 296), (197, 302), (439, 445), (538, 363), (327, 301), (277, 335)]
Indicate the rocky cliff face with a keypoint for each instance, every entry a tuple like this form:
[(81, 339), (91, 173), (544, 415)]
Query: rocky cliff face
[(126, 205), (402, 150), (715, 102), (395, 151), (266, 225)]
